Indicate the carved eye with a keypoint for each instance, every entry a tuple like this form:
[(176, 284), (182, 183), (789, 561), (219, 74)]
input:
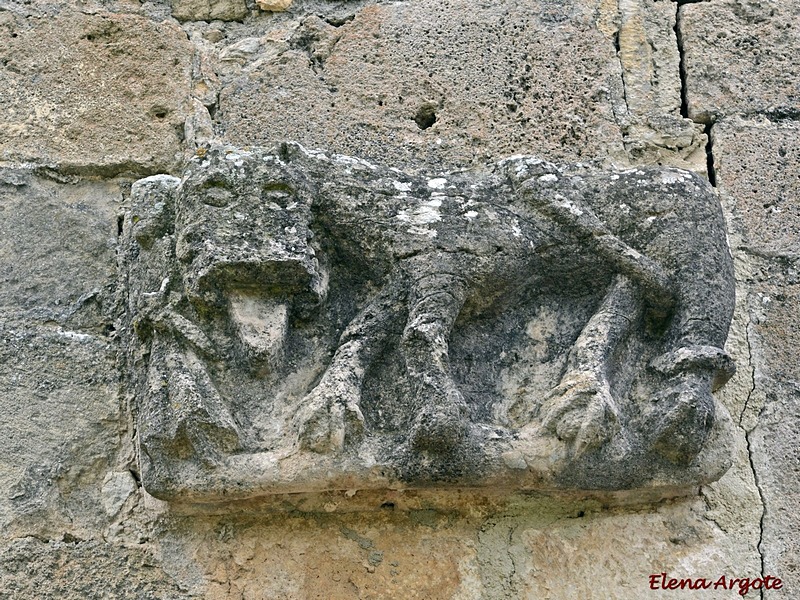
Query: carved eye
[(216, 196), (278, 192)]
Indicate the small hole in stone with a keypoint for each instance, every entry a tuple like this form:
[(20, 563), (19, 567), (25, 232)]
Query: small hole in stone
[(388, 505), (426, 116), (159, 112)]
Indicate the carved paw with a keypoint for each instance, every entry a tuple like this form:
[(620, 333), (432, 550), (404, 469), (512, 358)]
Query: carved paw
[(581, 412), (684, 418), (329, 417), (442, 423)]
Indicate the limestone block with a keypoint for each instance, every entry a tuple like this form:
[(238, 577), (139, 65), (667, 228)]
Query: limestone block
[(740, 56), (60, 428), (274, 5), (655, 132), (435, 84), (757, 166), (78, 569), (480, 547), (98, 93), (209, 10), (58, 393), (775, 302), (57, 248)]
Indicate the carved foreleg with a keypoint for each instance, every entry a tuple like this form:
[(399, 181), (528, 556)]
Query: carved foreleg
[(581, 410), (330, 413), (182, 415), (436, 300)]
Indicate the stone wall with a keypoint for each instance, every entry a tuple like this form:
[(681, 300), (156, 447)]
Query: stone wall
[(94, 95)]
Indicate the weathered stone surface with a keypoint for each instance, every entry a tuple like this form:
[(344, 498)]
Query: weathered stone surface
[(274, 5), (58, 249), (757, 167), (241, 277), (60, 428), (561, 548), (58, 383), (740, 56), (654, 131), (209, 10), (433, 85), (67, 467), (774, 439), (72, 570), (95, 93), (756, 163)]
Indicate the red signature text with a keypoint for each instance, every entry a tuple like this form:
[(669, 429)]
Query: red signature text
[(662, 581)]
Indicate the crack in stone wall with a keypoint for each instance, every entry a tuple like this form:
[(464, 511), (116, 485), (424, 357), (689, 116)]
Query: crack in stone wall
[(707, 130)]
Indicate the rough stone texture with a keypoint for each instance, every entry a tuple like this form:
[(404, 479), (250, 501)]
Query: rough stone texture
[(209, 10), (740, 57), (58, 396), (431, 85), (537, 262), (63, 272), (66, 460), (757, 169), (518, 548), (652, 124), (94, 570), (93, 93)]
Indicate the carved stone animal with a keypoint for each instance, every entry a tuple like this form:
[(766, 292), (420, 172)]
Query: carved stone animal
[(649, 243)]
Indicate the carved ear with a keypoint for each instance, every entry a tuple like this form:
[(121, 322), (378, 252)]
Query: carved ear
[(152, 208)]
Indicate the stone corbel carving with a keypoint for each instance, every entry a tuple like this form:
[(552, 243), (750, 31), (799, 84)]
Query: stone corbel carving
[(304, 322)]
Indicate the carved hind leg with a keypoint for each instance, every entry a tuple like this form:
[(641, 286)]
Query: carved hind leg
[(581, 410), (331, 412), (436, 300), (685, 409), (695, 363)]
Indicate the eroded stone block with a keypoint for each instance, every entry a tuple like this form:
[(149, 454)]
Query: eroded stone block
[(433, 85), (526, 325), (208, 10), (95, 93), (57, 248), (757, 166), (758, 169), (740, 57), (58, 381)]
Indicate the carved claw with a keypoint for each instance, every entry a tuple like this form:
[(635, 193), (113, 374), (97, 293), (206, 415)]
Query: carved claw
[(328, 418), (581, 412), (684, 418), (442, 424)]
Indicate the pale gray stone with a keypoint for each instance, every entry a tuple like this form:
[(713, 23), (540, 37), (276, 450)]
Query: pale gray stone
[(756, 164), (82, 569), (58, 396), (117, 488), (261, 273), (757, 167)]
